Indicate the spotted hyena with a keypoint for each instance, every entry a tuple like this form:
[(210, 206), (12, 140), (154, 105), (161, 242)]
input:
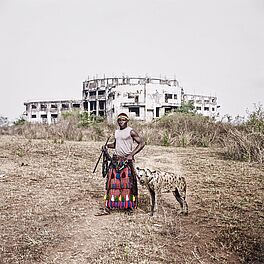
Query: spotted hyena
[(157, 182)]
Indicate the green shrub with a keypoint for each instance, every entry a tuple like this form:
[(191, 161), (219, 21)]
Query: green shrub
[(20, 121), (166, 139), (256, 119), (186, 108), (87, 119)]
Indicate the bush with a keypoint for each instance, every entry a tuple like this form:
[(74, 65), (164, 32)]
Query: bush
[(186, 108), (87, 120), (256, 120), (240, 145), (246, 141), (20, 121), (184, 129)]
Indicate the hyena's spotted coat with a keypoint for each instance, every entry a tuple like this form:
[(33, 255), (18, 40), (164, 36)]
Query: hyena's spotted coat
[(157, 182)]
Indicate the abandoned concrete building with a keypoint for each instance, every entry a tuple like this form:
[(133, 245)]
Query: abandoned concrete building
[(141, 98), (50, 111), (205, 105)]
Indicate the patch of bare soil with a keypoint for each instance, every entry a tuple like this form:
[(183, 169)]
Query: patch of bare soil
[(49, 197)]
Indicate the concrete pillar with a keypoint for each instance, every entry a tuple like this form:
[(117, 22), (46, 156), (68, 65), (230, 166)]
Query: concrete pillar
[(97, 104), (89, 108)]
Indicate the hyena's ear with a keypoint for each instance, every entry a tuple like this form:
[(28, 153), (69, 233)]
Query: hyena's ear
[(151, 171), (148, 172)]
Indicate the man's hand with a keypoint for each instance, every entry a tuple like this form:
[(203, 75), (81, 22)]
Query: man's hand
[(104, 148), (130, 157)]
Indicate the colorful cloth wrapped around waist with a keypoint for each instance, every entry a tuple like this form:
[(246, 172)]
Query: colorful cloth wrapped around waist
[(121, 185), (119, 163)]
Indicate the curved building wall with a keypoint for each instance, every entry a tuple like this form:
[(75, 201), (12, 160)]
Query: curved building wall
[(140, 98)]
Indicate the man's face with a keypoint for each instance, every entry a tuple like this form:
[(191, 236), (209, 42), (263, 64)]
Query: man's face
[(122, 122)]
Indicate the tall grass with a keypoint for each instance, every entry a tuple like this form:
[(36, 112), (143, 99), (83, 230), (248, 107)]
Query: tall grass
[(246, 140), (241, 145), (72, 126), (243, 141), (185, 129)]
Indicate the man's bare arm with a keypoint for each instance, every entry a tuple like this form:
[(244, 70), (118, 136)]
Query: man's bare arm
[(140, 143)]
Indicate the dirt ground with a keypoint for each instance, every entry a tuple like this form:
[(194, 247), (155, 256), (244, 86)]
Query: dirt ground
[(49, 197)]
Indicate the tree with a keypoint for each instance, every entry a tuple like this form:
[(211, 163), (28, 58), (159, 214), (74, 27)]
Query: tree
[(186, 107)]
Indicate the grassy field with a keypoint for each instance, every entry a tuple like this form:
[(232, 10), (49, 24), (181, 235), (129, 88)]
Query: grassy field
[(49, 197)]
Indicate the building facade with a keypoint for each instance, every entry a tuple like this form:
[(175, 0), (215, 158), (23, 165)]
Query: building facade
[(49, 111), (205, 105), (141, 98)]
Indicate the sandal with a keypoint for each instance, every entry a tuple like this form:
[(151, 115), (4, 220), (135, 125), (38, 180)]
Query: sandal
[(104, 211)]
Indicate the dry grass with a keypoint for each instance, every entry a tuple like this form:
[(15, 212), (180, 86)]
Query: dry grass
[(182, 130), (246, 146), (231, 194), (240, 142), (49, 197), (66, 129)]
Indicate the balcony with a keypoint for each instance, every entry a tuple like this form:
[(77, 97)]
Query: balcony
[(170, 104), (101, 97), (132, 104)]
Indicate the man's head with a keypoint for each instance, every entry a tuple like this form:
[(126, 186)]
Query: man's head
[(122, 120)]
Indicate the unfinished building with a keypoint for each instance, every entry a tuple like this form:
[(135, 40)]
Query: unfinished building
[(141, 98), (205, 105), (50, 111)]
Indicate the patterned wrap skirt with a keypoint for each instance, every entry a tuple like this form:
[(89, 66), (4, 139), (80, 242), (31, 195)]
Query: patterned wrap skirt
[(121, 185)]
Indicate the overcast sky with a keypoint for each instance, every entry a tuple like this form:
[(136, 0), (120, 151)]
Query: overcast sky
[(49, 47)]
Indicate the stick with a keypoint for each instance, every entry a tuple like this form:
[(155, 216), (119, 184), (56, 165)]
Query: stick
[(100, 156)]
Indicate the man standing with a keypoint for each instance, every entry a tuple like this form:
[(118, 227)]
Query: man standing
[(121, 185)]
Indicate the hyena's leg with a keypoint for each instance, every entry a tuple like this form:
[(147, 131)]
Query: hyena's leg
[(182, 191), (181, 199), (152, 201), (157, 195)]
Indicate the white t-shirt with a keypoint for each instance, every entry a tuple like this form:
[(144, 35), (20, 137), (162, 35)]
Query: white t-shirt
[(124, 142)]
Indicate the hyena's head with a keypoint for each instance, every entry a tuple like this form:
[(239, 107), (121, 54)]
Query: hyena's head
[(144, 175)]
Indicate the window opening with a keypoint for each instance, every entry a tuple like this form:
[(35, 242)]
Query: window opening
[(134, 110)]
